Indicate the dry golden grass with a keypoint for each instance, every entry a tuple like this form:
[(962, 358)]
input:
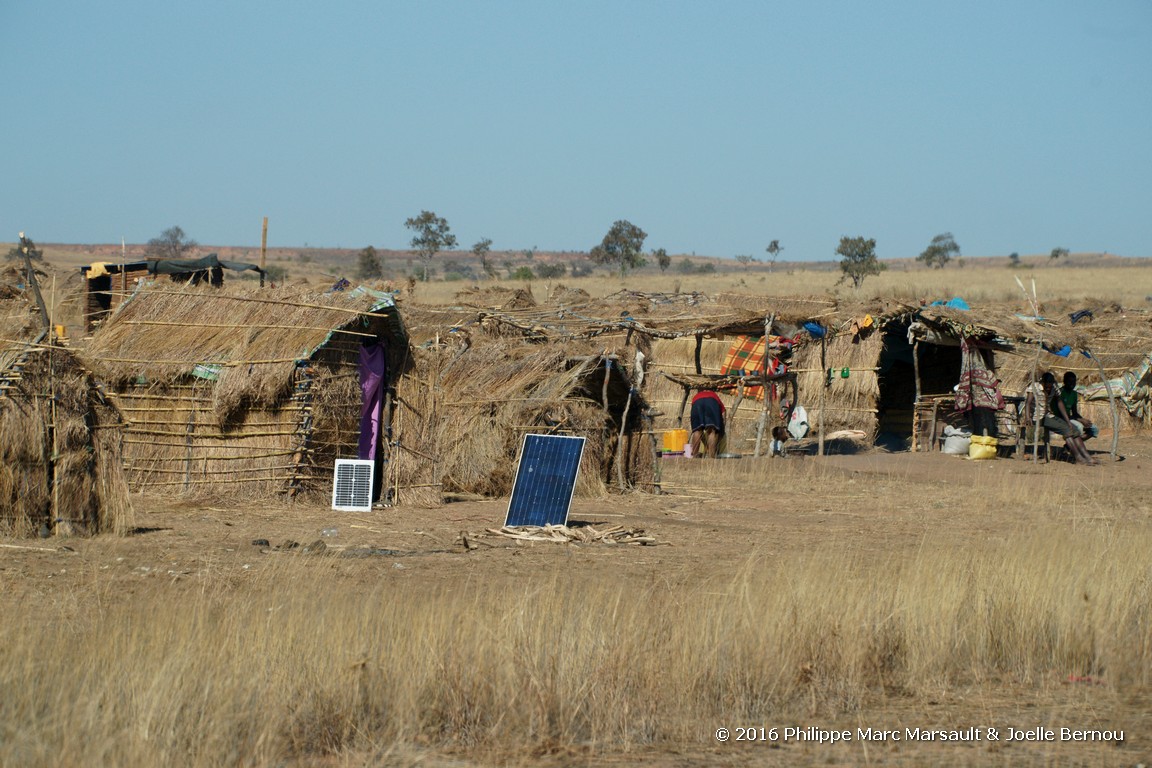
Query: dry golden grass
[(292, 669), (304, 660)]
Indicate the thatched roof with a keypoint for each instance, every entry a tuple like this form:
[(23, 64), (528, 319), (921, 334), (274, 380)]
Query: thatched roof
[(163, 333)]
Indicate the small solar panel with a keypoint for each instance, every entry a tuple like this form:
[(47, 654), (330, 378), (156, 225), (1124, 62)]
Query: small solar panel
[(545, 480), (352, 485)]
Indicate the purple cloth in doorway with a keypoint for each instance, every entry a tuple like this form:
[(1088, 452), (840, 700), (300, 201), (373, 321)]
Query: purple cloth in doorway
[(373, 367)]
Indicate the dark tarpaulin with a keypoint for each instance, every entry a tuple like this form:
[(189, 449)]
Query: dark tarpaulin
[(183, 266)]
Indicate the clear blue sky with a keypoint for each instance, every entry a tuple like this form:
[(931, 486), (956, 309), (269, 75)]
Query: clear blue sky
[(716, 127)]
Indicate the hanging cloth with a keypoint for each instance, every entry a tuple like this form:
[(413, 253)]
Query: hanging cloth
[(373, 367), (978, 387)]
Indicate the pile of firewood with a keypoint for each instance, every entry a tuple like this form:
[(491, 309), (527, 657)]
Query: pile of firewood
[(584, 534)]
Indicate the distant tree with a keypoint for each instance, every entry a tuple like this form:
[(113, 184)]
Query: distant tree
[(773, 249), (523, 273), (940, 251), (663, 260), (480, 251), (25, 246), (369, 266), (745, 259), (859, 259), (432, 236), (1058, 253), (550, 271), (580, 269), (621, 246), (1013, 259), (530, 253), (276, 273), (172, 244), (685, 266), (456, 270)]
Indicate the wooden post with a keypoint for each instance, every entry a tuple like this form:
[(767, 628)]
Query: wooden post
[(1038, 424), (683, 405), (123, 273), (764, 389), (916, 369), (263, 250), (932, 428), (188, 446), (54, 521), (621, 454), (699, 344), (1111, 405), (823, 386)]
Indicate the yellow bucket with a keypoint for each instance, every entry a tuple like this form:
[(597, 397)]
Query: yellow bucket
[(982, 447), (674, 440)]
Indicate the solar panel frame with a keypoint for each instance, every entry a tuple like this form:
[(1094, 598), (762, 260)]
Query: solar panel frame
[(546, 475), (352, 481)]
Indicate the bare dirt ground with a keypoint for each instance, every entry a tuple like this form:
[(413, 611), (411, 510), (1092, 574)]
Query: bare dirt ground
[(714, 516)]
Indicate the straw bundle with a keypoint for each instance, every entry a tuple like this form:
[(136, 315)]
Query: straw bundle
[(59, 460)]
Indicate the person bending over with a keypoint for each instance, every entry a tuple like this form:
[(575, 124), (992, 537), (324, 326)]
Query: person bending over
[(707, 423)]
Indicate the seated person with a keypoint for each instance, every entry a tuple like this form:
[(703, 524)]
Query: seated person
[(1072, 404), (707, 423), (779, 438), (1057, 419)]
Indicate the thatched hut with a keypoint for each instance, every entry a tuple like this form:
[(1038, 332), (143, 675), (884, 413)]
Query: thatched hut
[(249, 392), (60, 451), (482, 377)]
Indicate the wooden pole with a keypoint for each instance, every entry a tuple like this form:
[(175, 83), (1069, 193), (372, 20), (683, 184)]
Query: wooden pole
[(54, 446), (932, 428), (1038, 424), (823, 386), (916, 368), (765, 389), (1111, 406), (263, 250), (123, 273), (699, 344), (621, 456)]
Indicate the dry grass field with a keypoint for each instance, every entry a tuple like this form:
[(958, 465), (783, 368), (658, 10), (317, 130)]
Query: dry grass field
[(908, 593)]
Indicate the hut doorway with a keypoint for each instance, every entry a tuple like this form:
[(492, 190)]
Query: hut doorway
[(939, 373)]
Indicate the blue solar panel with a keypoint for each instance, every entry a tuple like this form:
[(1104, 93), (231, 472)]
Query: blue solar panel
[(545, 480)]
